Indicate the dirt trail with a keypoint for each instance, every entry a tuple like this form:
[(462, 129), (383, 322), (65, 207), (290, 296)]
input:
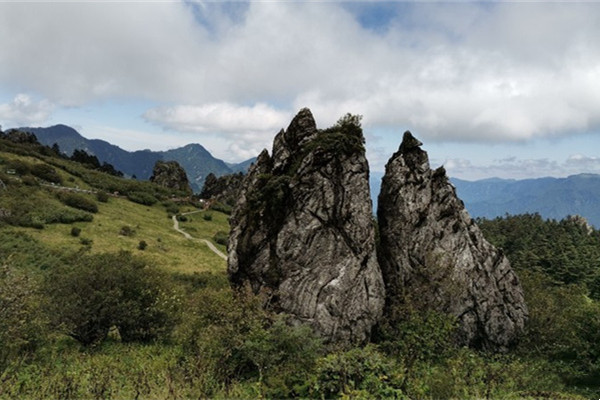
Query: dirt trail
[(188, 236)]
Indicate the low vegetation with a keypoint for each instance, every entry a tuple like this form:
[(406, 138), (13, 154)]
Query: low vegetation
[(108, 320)]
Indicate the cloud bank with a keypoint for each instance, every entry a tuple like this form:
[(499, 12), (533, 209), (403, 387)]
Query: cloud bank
[(25, 111), (473, 72)]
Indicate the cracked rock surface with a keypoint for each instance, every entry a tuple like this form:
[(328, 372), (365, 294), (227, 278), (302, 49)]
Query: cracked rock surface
[(303, 230), (433, 254)]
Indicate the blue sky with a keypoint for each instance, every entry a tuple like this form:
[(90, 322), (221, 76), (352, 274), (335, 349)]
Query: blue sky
[(502, 89)]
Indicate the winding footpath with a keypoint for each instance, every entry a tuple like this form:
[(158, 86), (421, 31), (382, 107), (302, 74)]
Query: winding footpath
[(188, 236)]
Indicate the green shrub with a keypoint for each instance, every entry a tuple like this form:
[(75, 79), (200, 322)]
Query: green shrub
[(127, 231), (221, 238), (20, 167), (171, 207), (29, 180), (182, 218), (207, 217), (86, 241), (75, 231), (357, 373), (46, 172), (144, 198), (470, 374), (102, 197), (21, 324), (79, 201), (142, 245), (92, 293), (224, 208), (66, 216)]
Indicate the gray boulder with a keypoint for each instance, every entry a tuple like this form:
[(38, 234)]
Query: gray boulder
[(303, 230), (434, 256)]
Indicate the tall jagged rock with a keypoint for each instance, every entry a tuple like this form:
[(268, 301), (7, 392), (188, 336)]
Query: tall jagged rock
[(303, 230), (171, 175), (433, 254)]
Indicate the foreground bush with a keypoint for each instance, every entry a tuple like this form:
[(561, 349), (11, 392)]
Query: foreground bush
[(230, 339), (96, 292), (21, 325)]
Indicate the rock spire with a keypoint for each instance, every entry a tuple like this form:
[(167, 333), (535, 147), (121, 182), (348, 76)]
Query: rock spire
[(434, 255), (303, 230)]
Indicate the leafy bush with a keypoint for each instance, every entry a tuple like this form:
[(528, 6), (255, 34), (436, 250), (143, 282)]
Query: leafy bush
[(95, 292), (142, 198), (46, 172), (142, 245), (171, 207), (357, 373), (79, 201), (224, 208), (75, 231), (86, 241), (67, 216), (102, 196), (221, 238), (232, 338), (207, 217), (29, 181), (564, 325), (20, 167), (21, 325)]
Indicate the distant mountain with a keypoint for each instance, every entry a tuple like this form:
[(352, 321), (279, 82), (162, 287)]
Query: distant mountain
[(243, 166), (194, 158), (553, 198)]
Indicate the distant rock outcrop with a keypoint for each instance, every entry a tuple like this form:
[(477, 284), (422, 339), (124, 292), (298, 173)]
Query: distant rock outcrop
[(303, 230), (225, 189), (433, 254), (169, 174)]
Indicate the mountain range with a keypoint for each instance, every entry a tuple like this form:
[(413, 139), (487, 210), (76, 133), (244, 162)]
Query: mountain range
[(552, 198), (194, 158)]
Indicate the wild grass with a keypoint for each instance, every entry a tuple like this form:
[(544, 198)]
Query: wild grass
[(165, 246)]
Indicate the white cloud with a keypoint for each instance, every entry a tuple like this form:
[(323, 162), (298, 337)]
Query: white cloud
[(24, 111), (220, 117), (516, 168), (247, 129), (452, 72)]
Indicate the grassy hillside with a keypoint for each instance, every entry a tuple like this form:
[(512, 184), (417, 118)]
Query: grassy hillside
[(119, 224)]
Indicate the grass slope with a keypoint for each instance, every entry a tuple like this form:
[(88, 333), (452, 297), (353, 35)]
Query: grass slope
[(166, 247)]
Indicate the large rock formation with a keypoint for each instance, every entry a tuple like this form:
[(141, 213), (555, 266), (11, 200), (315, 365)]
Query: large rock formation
[(303, 230), (225, 189), (171, 175), (434, 256)]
